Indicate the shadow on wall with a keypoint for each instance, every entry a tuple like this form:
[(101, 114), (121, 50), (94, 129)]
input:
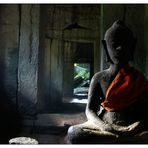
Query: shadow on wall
[(10, 120)]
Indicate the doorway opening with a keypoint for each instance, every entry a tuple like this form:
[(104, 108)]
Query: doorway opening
[(78, 71), (81, 78), (81, 82)]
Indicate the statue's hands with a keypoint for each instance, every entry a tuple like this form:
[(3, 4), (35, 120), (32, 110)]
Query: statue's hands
[(131, 127), (134, 126), (115, 128), (124, 130), (121, 128), (106, 127)]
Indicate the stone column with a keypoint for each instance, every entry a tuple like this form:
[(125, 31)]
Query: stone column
[(28, 59)]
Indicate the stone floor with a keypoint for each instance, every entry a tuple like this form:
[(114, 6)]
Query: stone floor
[(52, 128)]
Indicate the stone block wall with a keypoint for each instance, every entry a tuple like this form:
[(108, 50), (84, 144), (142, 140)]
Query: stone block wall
[(9, 42)]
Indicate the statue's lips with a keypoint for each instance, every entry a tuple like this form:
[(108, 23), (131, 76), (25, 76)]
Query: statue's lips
[(118, 54)]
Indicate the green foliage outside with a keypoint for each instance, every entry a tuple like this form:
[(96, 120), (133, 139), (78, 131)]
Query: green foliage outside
[(81, 75)]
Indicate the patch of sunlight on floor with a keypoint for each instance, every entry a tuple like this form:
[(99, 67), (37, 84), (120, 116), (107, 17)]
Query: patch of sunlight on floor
[(75, 100)]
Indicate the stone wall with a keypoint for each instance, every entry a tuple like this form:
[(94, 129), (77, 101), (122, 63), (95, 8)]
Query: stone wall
[(19, 45), (32, 47), (9, 42), (146, 37), (54, 20)]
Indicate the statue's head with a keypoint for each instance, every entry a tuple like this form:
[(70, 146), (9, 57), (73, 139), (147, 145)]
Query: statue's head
[(120, 43)]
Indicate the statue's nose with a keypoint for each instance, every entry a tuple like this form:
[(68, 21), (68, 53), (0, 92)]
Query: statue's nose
[(119, 48)]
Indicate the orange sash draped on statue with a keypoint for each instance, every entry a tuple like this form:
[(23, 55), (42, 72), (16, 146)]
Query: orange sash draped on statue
[(128, 87)]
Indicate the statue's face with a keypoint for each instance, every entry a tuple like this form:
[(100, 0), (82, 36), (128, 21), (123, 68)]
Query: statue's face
[(119, 47)]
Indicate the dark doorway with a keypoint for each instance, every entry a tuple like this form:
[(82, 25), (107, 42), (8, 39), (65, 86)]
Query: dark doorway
[(78, 71)]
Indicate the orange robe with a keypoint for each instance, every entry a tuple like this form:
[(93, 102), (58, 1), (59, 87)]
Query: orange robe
[(128, 87)]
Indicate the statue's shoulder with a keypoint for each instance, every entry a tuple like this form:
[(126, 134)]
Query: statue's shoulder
[(100, 75)]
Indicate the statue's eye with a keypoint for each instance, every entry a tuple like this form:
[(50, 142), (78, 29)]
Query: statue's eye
[(113, 45)]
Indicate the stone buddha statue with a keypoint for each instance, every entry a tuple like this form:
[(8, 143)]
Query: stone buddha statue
[(118, 96)]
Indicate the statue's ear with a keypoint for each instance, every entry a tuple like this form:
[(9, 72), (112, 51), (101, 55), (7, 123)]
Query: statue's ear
[(108, 59), (133, 48)]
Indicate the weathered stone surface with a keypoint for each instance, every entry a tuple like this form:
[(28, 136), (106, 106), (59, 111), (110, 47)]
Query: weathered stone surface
[(9, 32), (146, 37), (23, 140), (54, 19), (135, 19), (28, 59), (9, 14)]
